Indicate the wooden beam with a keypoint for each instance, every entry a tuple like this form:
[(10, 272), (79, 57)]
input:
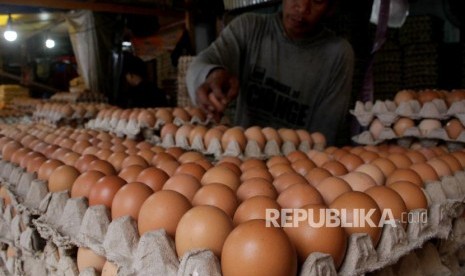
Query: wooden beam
[(95, 6)]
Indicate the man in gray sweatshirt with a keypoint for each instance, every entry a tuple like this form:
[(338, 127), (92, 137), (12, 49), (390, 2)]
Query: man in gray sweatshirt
[(285, 69)]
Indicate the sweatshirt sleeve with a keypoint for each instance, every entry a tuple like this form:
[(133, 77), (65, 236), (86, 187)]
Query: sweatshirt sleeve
[(333, 106), (225, 51)]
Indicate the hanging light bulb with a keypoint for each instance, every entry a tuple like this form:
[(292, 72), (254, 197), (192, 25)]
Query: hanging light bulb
[(10, 34), (49, 43)]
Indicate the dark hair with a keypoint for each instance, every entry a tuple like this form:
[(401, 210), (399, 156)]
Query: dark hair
[(134, 65)]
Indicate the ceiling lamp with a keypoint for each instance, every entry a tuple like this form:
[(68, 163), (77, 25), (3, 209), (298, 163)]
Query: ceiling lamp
[(49, 43), (10, 34)]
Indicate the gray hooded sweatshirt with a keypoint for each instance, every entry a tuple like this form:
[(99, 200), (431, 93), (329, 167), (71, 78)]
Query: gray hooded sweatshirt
[(300, 84)]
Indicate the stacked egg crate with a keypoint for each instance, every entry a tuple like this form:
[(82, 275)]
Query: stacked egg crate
[(69, 222), (8, 92), (431, 122), (418, 37), (82, 97)]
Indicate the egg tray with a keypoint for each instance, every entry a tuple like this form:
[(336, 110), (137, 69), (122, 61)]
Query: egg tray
[(388, 112), (413, 134), (133, 128), (252, 150), (69, 222)]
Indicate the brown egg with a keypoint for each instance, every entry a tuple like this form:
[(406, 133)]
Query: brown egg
[(374, 172), (130, 173), (169, 167), (223, 175), (162, 210), (460, 156), (273, 252), (280, 169), (185, 184), (389, 200), (254, 133), (88, 258), (428, 125), (160, 157), (134, 160), (176, 152), (202, 227), (376, 127), (19, 155), (425, 171), (217, 195), (254, 208), (129, 199), (318, 157), (351, 161), (452, 162), (314, 235), (405, 175), (289, 135), (152, 177), (182, 114), (212, 134), (144, 145), (29, 156), (84, 182), (47, 168), (83, 162), (332, 187), (316, 175), (359, 181), (412, 194), (298, 195), (336, 168), (401, 161), (272, 134), (235, 134), (304, 136), (369, 156), (257, 173), (275, 160), (303, 166), (233, 167), (191, 168), (252, 163), (440, 166), (296, 155), (147, 154), (116, 159), (256, 187), (34, 165), (146, 118), (427, 95), (102, 166), (416, 157), (190, 156), (405, 96), (357, 202), (401, 125), (9, 149), (319, 140), (285, 180), (5, 195), (385, 165), (197, 132), (103, 191)]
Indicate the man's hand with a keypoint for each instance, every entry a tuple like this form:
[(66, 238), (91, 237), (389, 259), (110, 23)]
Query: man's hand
[(218, 90)]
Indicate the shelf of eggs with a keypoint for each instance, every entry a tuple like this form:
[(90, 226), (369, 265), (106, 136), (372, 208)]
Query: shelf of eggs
[(190, 129), (111, 207), (430, 117)]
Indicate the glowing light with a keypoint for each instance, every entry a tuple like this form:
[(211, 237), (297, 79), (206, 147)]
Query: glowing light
[(50, 43), (10, 35)]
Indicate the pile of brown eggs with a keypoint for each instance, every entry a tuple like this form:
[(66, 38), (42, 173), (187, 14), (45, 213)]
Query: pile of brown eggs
[(433, 116), (222, 206), (62, 114)]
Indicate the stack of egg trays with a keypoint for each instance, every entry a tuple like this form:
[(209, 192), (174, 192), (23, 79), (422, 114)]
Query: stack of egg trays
[(133, 128), (67, 223), (387, 112)]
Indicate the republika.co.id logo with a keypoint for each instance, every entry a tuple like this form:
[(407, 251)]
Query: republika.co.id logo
[(327, 217)]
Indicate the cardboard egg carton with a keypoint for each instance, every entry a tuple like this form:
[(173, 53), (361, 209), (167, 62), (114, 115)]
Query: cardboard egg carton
[(69, 222), (388, 112), (251, 150)]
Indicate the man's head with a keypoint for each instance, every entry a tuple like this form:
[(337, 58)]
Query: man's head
[(301, 17)]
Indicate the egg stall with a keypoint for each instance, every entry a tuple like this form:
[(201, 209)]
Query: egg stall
[(164, 191)]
